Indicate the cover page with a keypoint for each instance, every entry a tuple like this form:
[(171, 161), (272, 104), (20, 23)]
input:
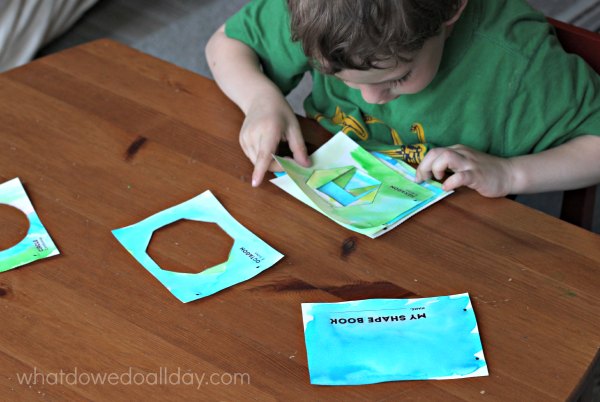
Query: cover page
[(378, 340)]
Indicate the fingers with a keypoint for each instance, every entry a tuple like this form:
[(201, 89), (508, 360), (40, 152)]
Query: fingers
[(298, 148), (297, 145), (259, 171), (459, 179), (424, 168), (437, 161), (263, 160), (443, 162), (248, 149), (476, 170), (260, 145)]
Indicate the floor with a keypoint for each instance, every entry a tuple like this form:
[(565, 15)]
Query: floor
[(177, 30)]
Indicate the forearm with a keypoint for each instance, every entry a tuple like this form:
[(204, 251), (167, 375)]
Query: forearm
[(236, 69), (575, 164)]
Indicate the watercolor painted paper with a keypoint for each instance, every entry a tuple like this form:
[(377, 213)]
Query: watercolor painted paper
[(37, 243), (367, 193), (248, 257), (380, 340)]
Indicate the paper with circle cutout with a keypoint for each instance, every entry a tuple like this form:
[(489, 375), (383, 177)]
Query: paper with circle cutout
[(387, 197), (380, 340), (248, 257), (37, 243)]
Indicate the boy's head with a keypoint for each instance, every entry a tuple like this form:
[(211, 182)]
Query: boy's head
[(384, 48)]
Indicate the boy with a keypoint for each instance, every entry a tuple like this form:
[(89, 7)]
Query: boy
[(477, 87)]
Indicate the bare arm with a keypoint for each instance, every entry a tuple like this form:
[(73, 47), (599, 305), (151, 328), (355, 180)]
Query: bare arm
[(269, 118), (574, 164)]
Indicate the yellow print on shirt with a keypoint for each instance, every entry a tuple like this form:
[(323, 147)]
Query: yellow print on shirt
[(349, 124), (410, 153)]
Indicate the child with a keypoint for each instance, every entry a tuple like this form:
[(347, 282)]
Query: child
[(477, 87)]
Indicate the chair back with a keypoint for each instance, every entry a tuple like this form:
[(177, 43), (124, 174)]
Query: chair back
[(578, 205), (576, 40)]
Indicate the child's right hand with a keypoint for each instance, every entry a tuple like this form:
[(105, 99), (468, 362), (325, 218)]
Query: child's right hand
[(269, 120)]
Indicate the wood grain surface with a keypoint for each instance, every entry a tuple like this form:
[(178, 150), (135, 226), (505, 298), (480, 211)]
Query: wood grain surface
[(103, 136)]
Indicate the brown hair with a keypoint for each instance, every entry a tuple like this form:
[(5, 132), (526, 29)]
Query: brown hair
[(356, 34)]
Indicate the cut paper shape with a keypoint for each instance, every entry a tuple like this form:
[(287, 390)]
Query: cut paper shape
[(192, 256), (383, 193), (380, 340), (248, 257), (14, 224), (37, 243), (344, 186)]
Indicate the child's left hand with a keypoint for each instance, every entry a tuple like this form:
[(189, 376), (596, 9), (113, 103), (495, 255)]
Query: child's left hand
[(490, 176)]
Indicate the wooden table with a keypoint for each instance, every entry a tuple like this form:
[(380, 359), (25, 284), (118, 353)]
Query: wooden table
[(103, 136)]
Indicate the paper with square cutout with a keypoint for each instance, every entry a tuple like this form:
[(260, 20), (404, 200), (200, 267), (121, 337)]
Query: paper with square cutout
[(37, 243), (394, 196), (248, 257), (344, 186)]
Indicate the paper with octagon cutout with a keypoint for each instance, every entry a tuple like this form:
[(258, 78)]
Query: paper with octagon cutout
[(248, 257), (37, 243)]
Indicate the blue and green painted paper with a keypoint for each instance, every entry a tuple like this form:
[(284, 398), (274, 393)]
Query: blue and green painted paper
[(248, 257), (380, 340), (37, 243)]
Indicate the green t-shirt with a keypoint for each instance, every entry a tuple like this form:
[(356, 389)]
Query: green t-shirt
[(505, 86)]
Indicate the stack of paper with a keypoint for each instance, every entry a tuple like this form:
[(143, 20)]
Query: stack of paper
[(367, 193)]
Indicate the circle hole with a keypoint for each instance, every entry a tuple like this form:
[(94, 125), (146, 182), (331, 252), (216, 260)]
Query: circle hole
[(14, 224)]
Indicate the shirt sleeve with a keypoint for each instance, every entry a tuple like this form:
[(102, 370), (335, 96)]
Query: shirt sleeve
[(264, 25), (558, 99)]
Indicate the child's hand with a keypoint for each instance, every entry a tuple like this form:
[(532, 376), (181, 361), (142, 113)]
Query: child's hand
[(270, 120), (490, 176)]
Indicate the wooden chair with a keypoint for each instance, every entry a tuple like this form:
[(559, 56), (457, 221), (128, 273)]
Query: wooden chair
[(578, 205)]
